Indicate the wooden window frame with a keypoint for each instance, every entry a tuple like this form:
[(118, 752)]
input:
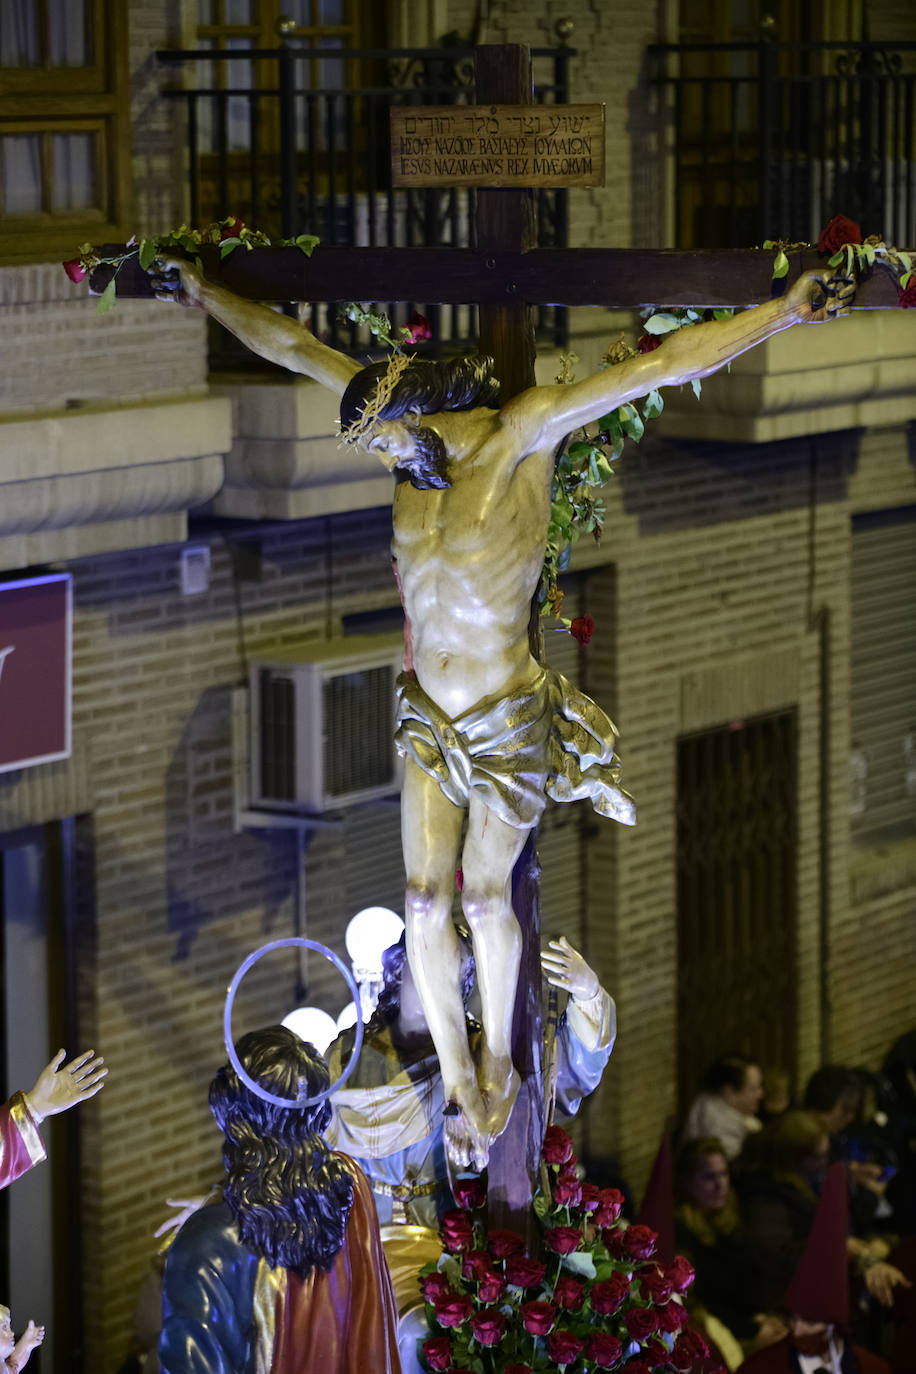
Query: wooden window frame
[(63, 100)]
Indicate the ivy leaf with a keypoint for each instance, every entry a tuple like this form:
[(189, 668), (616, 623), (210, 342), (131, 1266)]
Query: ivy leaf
[(307, 242), (580, 449), (107, 298), (653, 405), (869, 254), (780, 266), (228, 246), (631, 420), (697, 386), (603, 469), (836, 259), (664, 323), (905, 280), (147, 253)]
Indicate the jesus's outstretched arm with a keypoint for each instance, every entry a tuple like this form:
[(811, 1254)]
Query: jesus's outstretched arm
[(544, 415), (274, 337)]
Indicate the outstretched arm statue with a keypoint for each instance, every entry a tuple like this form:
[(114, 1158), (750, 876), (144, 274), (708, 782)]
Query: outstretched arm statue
[(485, 728)]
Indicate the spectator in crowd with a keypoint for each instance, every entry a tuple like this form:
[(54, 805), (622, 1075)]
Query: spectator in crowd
[(727, 1106), (778, 1178), (777, 1094), (285, 1271), (708, 1231), (837, 1096), (817, 1301)]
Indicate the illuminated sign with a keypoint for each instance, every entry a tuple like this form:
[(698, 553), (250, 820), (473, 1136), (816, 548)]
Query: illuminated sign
[(35, 672)]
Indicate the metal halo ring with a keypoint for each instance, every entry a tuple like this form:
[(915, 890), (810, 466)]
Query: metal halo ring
[(236, 1063)]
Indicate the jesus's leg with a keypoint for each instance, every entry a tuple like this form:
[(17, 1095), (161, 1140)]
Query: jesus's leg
[(430, 837), (491, 848)]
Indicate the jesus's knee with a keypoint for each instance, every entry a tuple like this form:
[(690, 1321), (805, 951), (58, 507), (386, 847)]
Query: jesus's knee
[(482, 905), (425, 901)]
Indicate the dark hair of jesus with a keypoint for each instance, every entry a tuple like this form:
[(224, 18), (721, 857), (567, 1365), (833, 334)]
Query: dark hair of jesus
[(426, 386)]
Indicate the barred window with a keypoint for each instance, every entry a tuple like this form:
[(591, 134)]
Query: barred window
[(882, 765)]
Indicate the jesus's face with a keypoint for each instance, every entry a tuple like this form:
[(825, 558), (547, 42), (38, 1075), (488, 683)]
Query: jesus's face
[(415, 449)]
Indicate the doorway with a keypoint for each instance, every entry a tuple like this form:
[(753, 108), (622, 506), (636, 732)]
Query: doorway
[(736, 896)]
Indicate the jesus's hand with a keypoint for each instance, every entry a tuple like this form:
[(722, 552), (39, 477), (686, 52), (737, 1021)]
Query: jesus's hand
[(819, 297), (176, 279)]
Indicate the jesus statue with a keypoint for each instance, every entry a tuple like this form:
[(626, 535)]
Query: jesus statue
[(485, 728)]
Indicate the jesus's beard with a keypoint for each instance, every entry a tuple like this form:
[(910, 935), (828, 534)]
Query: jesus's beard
[(427, 469)]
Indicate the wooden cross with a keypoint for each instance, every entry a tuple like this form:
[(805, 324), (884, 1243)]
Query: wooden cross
[(505, 276)]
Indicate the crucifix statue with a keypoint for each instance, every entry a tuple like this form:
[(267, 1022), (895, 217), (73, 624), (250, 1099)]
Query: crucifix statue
[(485, 728), (489, 733)]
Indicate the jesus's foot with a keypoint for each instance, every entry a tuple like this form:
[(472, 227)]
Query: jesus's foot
[(467, 1142), (499, 1083)]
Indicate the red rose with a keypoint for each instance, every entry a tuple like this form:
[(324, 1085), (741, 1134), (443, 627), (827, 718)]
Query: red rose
[(608, 1294), (906, 298), (504, 1244), (639, 1242), (488, 1326), (518, 1369), (434, 1286), (569, 1293), (610, 1201), (647, 343), (418, 327), (230, 228), (469, 1192), (591, 1196), (457, 1234), (656, 1284), (537, 1317), (671, 1317), (640, 1322), (74, 269), (558, 1147), (567, 1192), (492, 1287), (438, 1352), (524, 1272), (636, 1367), (563, 1240), (655, 1353), (680, 1274), (840, 230), (564, 1347), (453, 1310), (604, 1349), (582, 629), (476, 1264), (688, 1348)]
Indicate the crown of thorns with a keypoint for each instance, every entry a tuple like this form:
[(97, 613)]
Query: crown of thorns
[(371, 411)]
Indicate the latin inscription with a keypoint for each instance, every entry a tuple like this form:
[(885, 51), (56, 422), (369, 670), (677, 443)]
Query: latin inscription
[(505, 145)]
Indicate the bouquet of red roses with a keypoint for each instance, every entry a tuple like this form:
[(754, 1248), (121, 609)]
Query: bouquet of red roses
[(598, 1300)]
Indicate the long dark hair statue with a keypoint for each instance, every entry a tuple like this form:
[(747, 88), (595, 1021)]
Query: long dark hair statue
[(289, 1195), (426, 386)]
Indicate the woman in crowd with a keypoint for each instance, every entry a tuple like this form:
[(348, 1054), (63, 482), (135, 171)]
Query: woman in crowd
[(708, 1231)]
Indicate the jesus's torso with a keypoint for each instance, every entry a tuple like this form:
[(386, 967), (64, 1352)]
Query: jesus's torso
[(469, 559)]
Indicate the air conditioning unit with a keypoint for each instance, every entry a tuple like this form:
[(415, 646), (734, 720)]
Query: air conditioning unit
[(322, 724)]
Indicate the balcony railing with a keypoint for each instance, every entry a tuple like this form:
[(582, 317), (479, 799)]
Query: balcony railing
[(773, 139), (295, 139)]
